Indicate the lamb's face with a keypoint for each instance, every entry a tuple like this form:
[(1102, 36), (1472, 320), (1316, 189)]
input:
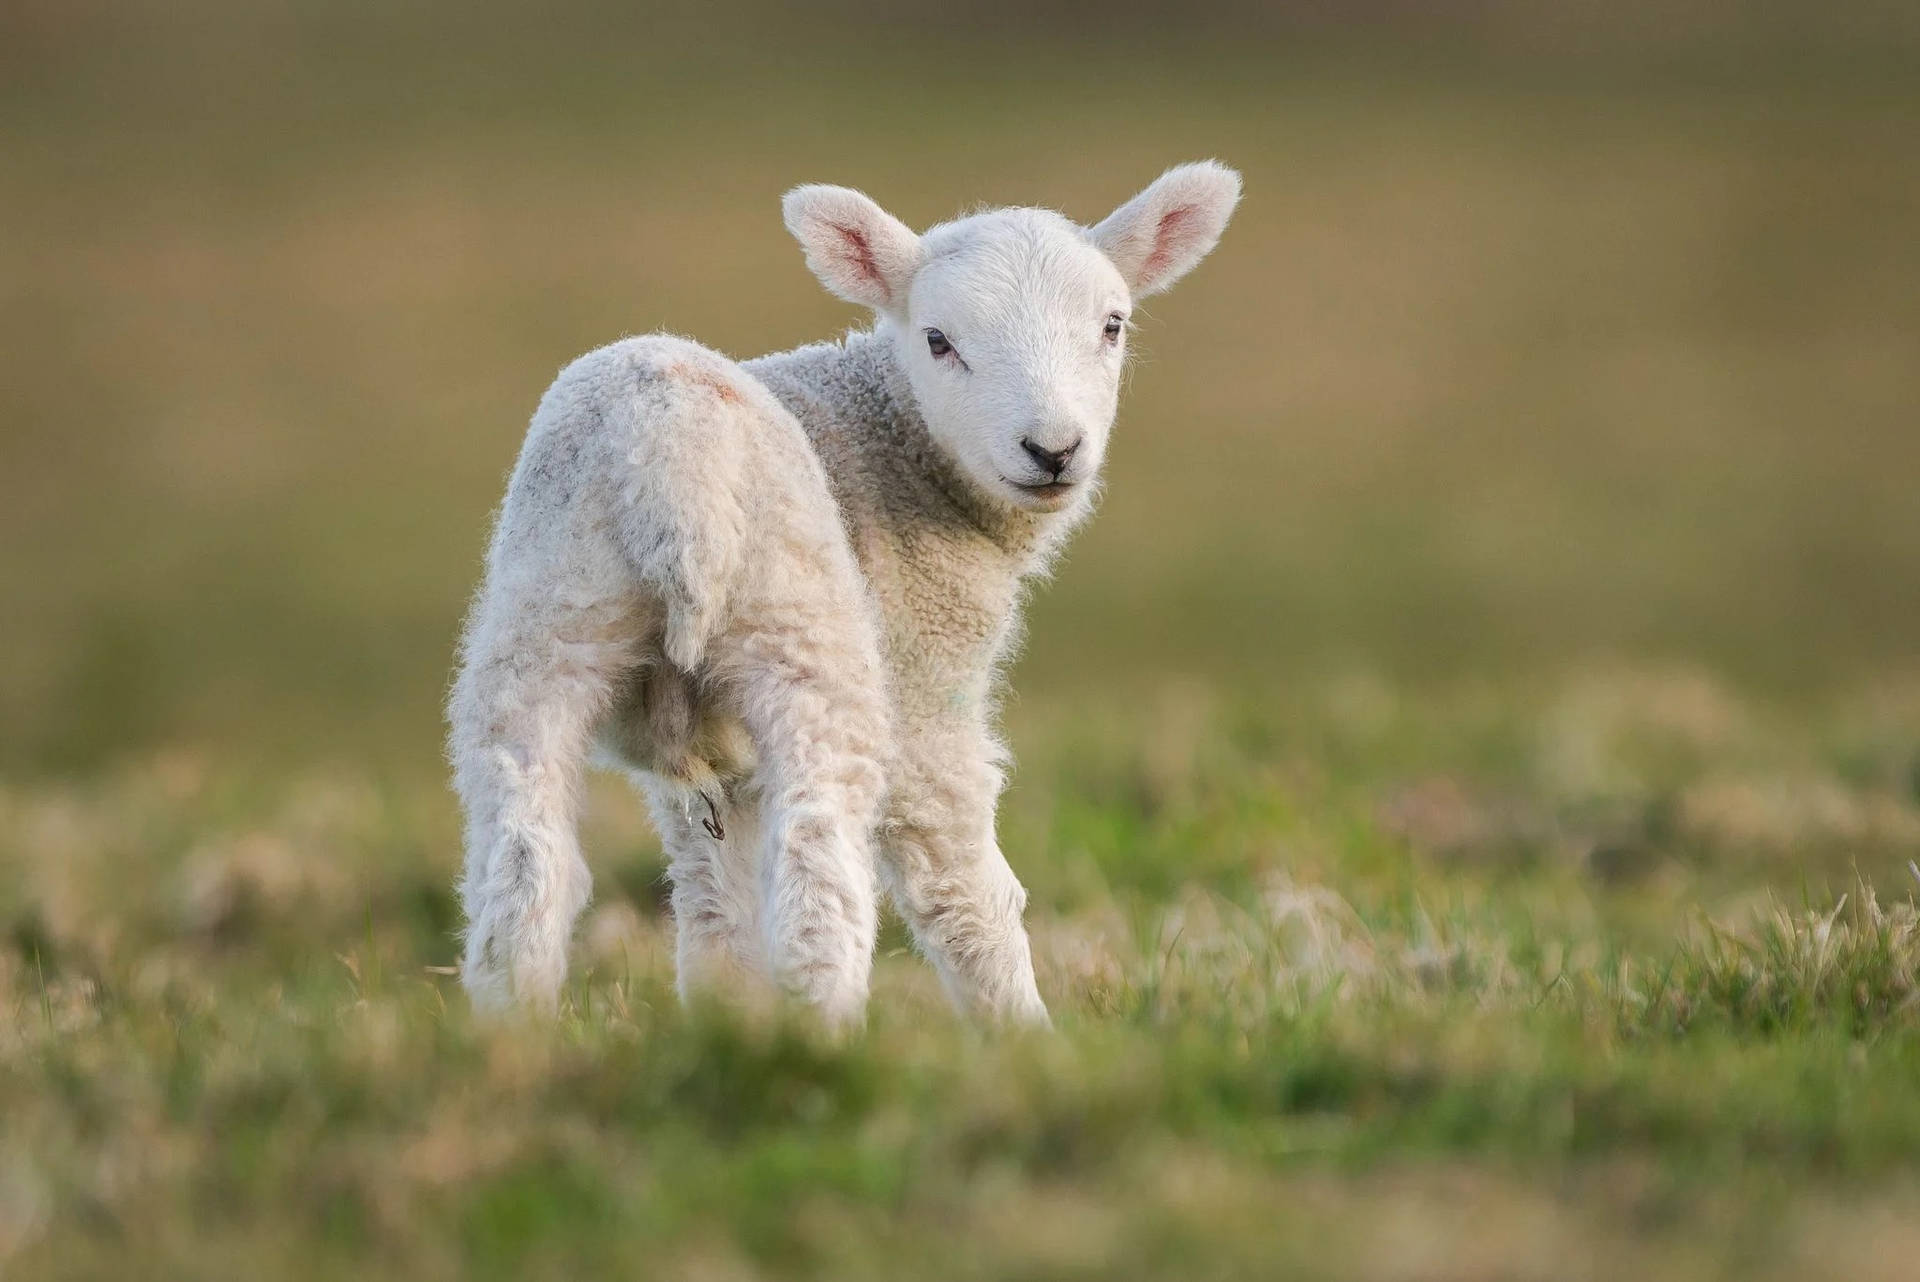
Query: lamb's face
[(1013, 338), (1012, 325)]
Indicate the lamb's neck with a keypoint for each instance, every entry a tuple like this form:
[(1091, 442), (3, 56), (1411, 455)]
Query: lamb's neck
[(884, 465), (944, 561)]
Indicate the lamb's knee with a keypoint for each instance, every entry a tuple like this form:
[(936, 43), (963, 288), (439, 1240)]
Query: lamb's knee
[(971, 915)]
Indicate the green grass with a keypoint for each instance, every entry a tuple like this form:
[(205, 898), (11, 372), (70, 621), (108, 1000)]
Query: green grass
[(1337, 994)]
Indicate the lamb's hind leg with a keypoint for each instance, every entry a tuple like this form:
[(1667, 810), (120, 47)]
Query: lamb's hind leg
[(808, 677), (521, 717), (712, 843)]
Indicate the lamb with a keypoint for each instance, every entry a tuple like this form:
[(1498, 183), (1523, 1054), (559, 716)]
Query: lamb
[(777, 593)]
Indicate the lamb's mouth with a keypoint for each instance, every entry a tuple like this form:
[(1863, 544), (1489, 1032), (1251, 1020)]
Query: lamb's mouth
[(1043, 490)]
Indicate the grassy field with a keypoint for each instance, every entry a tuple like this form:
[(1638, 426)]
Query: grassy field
[(1620, 983), (1469, 773)]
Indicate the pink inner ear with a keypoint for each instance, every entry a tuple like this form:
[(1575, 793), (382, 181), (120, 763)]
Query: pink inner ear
[(1165, 238), (859, 255)]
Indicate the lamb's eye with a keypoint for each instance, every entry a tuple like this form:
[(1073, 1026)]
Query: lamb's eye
[(1115, 323), (937, 343)]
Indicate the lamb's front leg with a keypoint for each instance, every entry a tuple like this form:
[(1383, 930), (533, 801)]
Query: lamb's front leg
[(950, 881)]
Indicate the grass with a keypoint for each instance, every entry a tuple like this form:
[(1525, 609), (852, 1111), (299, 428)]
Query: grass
[(1469, 772), (1324, 984)]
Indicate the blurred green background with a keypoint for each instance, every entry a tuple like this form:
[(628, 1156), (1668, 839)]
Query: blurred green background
[(1546, 335)]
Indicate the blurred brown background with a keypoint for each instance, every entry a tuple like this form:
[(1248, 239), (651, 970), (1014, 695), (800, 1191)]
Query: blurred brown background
[(1546, 334)]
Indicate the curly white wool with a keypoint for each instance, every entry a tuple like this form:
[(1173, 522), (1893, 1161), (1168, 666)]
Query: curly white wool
[(777, 593)]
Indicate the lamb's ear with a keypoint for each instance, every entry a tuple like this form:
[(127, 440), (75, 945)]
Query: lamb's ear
[(857, 249), (1159, 235)]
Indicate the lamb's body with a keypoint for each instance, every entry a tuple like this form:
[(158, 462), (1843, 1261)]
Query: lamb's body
[(773, 593), (669, 534)]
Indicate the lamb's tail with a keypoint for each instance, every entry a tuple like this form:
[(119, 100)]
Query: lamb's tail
[(684, 516)]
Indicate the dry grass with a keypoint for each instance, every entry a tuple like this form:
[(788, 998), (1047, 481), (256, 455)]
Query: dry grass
[(1854, 961)]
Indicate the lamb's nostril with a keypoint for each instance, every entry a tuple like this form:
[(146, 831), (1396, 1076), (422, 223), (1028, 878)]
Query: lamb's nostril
[(1053, 462)]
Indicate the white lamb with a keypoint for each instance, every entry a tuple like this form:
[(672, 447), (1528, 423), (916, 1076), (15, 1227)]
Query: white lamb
[(777, 592)]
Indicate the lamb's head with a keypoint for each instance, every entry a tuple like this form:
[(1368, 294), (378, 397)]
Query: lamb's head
[(1012, 324)]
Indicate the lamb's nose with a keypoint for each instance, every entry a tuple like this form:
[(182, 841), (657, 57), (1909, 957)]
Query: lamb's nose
[(1052, 462)]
